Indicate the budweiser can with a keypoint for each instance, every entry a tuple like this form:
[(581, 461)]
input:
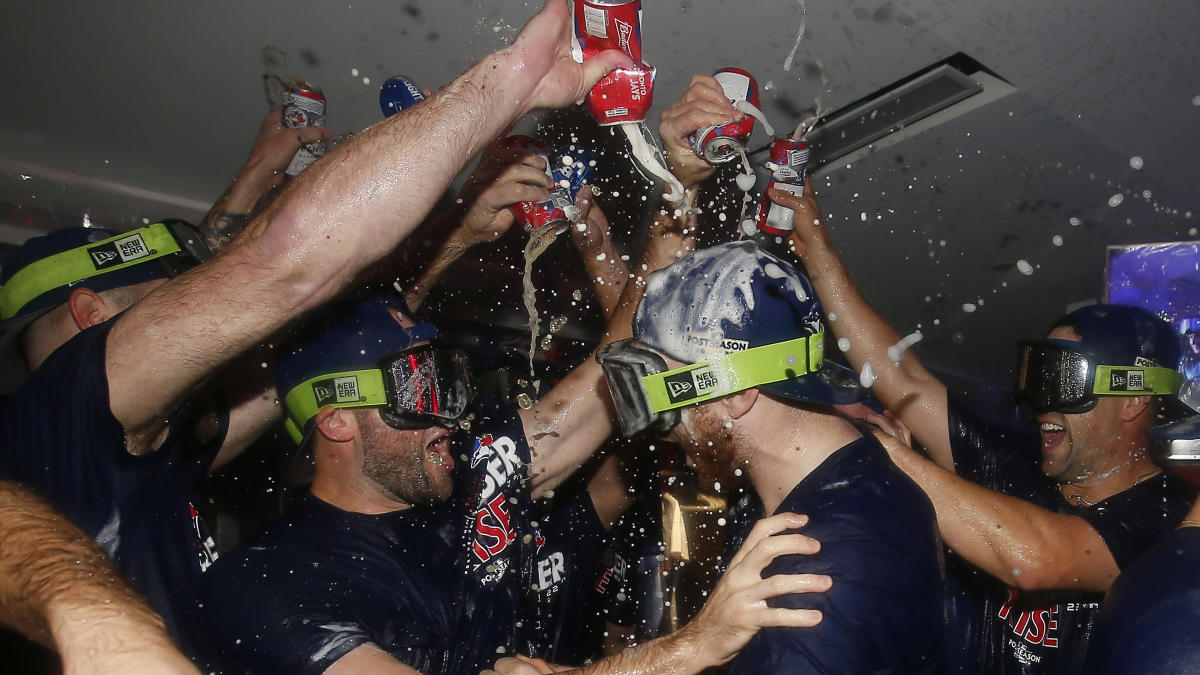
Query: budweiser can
[(788, 161), (570, 168), (398, 93), (625, 94), (723, 143), (304, 106)]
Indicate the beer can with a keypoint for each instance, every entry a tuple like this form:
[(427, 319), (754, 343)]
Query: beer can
[(608, 24), (304, 106), (398, 93), (625, 94), (788, 161), (723, 143), (570, 168)]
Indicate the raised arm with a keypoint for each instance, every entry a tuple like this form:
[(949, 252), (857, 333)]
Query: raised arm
[(906, 388), (340, 215), (570, 422), (593, 240), (733, 613), (507, 174), (57, 588), (1015, 541), (259, 177)]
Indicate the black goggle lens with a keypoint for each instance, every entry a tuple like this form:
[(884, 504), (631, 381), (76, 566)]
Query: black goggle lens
[(1053, 378)]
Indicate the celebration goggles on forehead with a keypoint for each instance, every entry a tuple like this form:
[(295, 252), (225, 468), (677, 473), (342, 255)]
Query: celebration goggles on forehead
[(417, 388), (648, 396), (1053, 377), (174, 244)]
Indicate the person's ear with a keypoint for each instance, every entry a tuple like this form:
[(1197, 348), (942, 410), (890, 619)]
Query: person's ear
[(89, 308), (1134, 407), (740, 403), (336, 424)]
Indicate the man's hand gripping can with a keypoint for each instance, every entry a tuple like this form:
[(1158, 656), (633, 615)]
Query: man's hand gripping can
[(787, 164), (570, 168), (723, 143), (625, 94)]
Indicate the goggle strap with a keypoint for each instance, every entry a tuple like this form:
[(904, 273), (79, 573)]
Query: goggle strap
[(1135, 381), (734, 372), (83, 262), (348, 389)]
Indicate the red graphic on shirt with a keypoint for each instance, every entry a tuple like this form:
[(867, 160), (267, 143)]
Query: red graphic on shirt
[(1036, 626)]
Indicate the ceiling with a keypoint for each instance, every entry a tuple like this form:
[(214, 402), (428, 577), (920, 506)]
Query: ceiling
[(979, 231)]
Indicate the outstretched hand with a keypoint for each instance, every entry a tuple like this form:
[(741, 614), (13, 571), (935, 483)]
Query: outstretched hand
[(737, 608), (543, 62), (703, 104)]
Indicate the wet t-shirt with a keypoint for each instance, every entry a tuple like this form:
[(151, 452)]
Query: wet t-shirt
[(60, 438), (1148, 620), (568, 544), (879, 543), (322, 581), (1046, 631), (442, 589)]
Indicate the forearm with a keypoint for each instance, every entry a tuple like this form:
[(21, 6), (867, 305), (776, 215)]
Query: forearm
[(56, 586), (604, 266), (1015, 541), (673, 654), (906, 388)]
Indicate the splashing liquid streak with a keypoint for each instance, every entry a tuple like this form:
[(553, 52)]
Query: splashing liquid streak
[(538, 243), (809, 122), (646, 157)]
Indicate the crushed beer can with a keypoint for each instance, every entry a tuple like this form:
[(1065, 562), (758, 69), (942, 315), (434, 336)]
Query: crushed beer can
[(570, 168), (723, 143)]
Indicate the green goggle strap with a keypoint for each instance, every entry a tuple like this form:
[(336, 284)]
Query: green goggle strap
[(733, 372), (132, 248), (349, 389), (1135, 381)]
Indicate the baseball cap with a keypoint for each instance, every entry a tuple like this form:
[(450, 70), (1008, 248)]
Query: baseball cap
[(354, 332), (41, 274), (1122, 335), (732, 297)]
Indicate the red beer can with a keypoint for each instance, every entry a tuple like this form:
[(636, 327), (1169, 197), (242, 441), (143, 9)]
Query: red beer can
[(304, 106), (625, 94), (723, 143), (788, 161), (533, 216)]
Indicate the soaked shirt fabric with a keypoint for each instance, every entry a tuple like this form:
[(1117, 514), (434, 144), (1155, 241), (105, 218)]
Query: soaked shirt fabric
[(1045, 631), (879, 543), (568, 542), (61, 439), (442, 589), (1148, 620)]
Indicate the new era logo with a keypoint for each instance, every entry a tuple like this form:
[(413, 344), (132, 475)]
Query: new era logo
[(690, 385), (1127, 380), (337, 390), (118, 251)]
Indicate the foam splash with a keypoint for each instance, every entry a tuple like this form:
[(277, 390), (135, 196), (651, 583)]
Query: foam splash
[(896, 351), (641, 151)]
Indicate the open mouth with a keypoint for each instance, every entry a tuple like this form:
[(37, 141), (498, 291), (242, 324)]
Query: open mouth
[(438, 451), (1052, 434)]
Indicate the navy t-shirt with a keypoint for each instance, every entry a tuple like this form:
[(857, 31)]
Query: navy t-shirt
[(568, 544), (1148, 621), (442, 589), (61, 439), (1047, 631), (879, 543)]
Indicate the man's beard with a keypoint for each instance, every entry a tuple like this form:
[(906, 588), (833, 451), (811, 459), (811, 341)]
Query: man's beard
[(713, 450)]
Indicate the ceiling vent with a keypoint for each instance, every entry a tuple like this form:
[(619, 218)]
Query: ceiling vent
[(903, 109)]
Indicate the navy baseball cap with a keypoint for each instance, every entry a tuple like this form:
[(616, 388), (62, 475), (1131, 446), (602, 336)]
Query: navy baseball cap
[(354, 332), (1122, 335), (37, 249), (732, 297)]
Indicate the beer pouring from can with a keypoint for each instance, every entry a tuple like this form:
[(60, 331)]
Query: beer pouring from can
[(623, 97)]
